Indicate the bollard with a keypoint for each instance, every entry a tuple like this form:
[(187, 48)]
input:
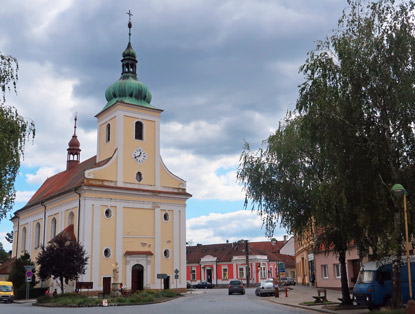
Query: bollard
[(286, 291), (411, 307), (277, 293)]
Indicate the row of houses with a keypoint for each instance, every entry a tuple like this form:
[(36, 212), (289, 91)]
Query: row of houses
[(220, 263)]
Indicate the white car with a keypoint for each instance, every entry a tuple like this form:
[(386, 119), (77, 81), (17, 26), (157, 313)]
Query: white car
[(265, 288)]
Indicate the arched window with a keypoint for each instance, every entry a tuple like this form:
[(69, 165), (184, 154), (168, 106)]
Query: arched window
[(139, 130), (70, 218), (23, 239), (53, 228), (37, 235), (108, 133)]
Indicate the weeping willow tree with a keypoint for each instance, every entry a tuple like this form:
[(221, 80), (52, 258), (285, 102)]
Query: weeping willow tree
[(333, 161), (14, 133)]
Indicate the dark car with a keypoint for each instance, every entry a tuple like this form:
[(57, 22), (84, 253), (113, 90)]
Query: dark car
[(203, 285), (287, 281), (188, 285), (236, 286)]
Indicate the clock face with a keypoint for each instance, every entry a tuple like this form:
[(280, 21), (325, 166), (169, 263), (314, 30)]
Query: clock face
[(139, 155)]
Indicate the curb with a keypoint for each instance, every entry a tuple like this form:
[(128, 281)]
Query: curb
[(310, 308)]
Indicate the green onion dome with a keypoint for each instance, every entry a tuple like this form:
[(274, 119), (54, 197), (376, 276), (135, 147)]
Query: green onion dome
[(128, 88)]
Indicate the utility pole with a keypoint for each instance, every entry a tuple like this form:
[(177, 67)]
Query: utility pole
[(248, 275)]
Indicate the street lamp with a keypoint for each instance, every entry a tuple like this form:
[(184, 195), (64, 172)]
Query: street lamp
[(398, 190)]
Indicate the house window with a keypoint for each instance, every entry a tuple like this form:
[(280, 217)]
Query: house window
[(107, 133), (192, 274), (270, 272), (263, 272), (53, 228), (37, 235), (70, 218), (292, 274), (139, 130), (225, 273), (325, 271), (242, 272), (337, 271), (23, 239)]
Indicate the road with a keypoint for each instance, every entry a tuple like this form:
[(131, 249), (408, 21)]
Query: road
[(212, 301)]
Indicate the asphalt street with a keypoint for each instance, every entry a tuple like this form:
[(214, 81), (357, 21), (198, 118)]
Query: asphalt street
[(212, 301)]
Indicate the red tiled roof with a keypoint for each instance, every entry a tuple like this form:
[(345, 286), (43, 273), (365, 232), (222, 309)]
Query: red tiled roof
[(62, 182), (7, 266), (224, 252), (268, 246)]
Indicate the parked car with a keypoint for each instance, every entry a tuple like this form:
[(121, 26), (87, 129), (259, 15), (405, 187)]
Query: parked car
[(203, 285), (236, 286), (266, 287), (188, 285), (287, 281)]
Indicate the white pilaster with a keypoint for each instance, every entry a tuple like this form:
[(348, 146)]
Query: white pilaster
[(118, 238), (157, 234), (96, 248), (119, 144)]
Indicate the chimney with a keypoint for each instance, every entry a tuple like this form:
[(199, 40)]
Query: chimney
[(285, 239)]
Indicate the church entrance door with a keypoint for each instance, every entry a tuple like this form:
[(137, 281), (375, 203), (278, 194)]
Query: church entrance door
[(106, 285), (137, 278)]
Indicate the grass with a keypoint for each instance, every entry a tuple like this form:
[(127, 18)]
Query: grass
[(313, 303), (142, 297)]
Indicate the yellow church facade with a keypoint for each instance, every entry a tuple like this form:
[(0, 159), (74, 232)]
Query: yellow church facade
[(126, 207)]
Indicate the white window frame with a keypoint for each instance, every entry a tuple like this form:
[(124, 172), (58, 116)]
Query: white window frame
[(37, 235), (53, 227), (225, 273), (24, 235), (337, 270), (192, 273), (263, 271), (241, 272), (324, 271)]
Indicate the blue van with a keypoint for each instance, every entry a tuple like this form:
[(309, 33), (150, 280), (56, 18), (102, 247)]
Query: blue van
[(374, 284)]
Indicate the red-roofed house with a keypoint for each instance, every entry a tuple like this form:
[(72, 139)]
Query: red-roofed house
[(220, 263), (126, 207)]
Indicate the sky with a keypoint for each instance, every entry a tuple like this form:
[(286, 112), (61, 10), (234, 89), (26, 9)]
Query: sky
[(223, 71)]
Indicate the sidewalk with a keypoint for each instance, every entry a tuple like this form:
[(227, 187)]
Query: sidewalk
[(300, 294)]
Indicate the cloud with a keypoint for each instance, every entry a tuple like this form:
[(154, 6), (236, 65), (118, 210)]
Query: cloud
[(24, 196), (41, 175), (217, 228)]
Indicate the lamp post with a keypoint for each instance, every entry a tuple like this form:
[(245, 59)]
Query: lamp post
[(398, 190)]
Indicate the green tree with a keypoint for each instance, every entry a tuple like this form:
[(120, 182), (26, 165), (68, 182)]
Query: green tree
[(353, 139), (14, 132), (18, 274), (64, 260), (4, 256)]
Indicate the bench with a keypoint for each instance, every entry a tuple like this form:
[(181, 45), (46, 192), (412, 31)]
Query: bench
[(321, 297)]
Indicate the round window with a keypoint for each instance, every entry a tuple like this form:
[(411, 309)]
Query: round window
[(166, 216), (108, 213), (139, 176), (166, 253), (107, 252)]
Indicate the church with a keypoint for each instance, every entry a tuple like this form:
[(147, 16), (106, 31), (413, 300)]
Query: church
[(124, 206)]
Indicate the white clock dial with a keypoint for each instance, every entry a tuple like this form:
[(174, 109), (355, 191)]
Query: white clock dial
[(139, 155)]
